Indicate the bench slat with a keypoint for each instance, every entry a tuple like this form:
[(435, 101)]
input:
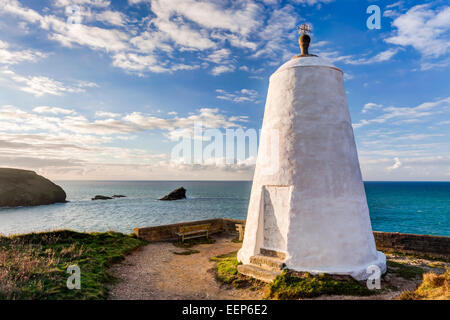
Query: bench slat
[(194, 228), (188, 232), (191, 232)]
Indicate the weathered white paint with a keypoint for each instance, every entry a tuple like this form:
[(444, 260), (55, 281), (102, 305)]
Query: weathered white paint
[(276, 209), (322, 219)]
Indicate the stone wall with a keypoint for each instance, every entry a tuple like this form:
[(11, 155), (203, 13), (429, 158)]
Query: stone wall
[(433, 246), (168, 232)]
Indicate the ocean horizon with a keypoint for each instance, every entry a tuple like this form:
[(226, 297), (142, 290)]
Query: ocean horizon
[(418, 207)]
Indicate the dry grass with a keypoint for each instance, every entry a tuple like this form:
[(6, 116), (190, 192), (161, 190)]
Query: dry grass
[(33, 266), (433, 287), (21, 264)]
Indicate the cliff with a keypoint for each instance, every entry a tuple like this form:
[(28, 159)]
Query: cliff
[(26, 188)]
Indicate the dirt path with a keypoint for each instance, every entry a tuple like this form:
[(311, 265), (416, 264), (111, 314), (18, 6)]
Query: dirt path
[(155, 272)]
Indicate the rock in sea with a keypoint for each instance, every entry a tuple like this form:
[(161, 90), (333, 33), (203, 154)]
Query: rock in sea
[(176, 194), (101, 198), (26, 188)]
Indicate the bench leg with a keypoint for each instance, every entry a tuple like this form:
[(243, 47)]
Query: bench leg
[(207, 235)]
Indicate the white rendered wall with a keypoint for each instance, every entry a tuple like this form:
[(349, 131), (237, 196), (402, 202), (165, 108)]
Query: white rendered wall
[(323, 221)]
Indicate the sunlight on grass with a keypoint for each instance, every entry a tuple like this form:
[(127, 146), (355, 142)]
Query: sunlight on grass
[(33, 266)]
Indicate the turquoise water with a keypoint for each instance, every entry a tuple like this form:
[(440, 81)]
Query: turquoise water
[(410, 207)]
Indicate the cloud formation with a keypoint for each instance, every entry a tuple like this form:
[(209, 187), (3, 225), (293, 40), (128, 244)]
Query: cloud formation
[(243, 95)]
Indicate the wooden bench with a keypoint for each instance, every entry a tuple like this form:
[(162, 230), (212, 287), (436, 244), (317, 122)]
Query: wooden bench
[(189, 232)]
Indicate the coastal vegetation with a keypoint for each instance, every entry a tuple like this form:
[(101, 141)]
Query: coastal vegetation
[(226, 267), (34, 266), (300, 285), (288, 285), (433, 287), (188, 244), (405, 271)]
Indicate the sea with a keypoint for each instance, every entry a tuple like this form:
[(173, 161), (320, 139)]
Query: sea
[(408, 207)]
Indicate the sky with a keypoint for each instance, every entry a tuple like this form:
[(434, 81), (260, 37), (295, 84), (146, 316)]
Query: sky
[(103, 90)]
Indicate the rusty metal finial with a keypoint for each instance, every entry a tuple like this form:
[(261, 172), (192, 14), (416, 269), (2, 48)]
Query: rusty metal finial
[(304, 28), (304, 40)]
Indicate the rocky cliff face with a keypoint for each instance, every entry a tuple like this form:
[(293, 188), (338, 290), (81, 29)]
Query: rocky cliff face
[(26, 188)]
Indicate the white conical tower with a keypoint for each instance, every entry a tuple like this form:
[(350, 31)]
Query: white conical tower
[(308, 205)]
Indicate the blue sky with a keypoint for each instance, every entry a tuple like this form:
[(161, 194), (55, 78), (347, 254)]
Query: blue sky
[(103, 99)]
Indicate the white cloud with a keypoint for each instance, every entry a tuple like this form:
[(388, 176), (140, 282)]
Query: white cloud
[(277, 30), (104, 114), (192, 25), (8, 56), (111, 17), (41, 85), (53, 110), (369, 106), (334, 56), (218, 70), (395, 4), (313, 2), (15, 119), (424, 29), (408, 113), (62, 144), (134, 2), (243, 95), (219, 56), (428, 65), (92, 3), (240, 18)]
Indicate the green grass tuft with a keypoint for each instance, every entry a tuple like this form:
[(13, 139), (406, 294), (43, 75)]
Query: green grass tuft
[(227, 269), (291, 285), (193, 242), (33, 266), (186, 252), (405, 271), (226, 272)]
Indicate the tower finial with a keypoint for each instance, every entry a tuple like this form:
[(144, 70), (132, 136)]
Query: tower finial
[(304, 40), (304, 28)]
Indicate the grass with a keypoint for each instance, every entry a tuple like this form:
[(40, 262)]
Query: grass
[(226, 272), (189, 243), (433, 287), (289, 285), (294, 285), (405, 271), (226, 268), (437, 264), (418, 256), (33, 266), (186, 252)]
